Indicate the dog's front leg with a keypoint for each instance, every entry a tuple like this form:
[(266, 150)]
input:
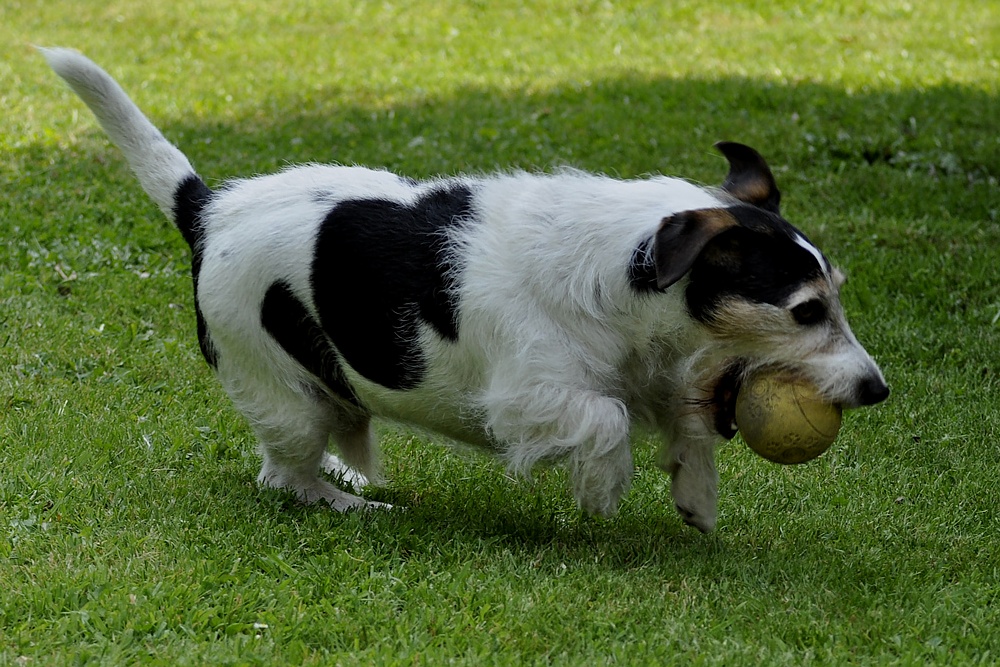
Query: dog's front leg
[(583, 426), (689, 458), (601, 466)]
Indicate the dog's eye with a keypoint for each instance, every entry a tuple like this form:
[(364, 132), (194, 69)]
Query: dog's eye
[(809, 312)]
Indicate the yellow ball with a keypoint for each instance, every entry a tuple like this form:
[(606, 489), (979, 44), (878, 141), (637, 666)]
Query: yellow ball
[(785, 419)]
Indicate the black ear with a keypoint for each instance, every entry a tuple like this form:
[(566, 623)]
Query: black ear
[(750, 179), (682, 237)]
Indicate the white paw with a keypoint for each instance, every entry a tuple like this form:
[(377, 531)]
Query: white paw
[(343, 473), (312, 489), (599, 484)]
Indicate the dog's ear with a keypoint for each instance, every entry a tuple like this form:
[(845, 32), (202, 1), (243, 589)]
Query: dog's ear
[(750, 179), (682, 237)]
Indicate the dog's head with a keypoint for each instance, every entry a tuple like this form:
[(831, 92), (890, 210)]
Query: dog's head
[(757, 285)]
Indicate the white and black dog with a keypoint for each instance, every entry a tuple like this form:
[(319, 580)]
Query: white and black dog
[(540, 316)]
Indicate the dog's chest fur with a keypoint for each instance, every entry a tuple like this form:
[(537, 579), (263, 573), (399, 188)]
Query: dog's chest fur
[(399, 295)]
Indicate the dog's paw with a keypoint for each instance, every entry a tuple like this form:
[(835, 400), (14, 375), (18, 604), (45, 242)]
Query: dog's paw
[(337, 499), (695, 486), (373, 506), (703, 521), (696, 499), (343, 473), (351, 503), (313, 490), (598, 485)]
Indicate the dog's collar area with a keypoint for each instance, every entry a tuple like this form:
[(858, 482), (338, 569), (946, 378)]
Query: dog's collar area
[(724, 400)]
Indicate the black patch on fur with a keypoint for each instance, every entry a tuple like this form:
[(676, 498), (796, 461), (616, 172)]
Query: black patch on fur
[(642, 269), (204, 338), (381, 268), (758, 261), (288, 321), (190, 199)]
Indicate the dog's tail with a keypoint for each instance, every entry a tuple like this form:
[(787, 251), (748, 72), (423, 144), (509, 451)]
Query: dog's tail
[(164, 172)]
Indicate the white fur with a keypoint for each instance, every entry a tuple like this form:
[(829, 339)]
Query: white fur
[(157, 164), (813, 250), (558, 356)]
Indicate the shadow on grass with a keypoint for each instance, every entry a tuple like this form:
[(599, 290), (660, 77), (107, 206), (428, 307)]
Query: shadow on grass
[(945, 139), (490, 517), (539, 530)]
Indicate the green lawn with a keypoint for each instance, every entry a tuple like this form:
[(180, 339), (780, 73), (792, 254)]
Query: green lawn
[(131, 527)]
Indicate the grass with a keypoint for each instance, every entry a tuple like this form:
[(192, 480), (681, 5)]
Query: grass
[(131, 528)]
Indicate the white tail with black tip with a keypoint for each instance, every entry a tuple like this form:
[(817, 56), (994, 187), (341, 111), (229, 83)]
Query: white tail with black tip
[(164, 172)]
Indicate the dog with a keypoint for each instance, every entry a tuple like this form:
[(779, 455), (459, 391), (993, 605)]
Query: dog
[(541, 317)]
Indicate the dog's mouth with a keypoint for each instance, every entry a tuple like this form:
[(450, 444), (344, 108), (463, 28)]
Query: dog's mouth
[(724, 400)]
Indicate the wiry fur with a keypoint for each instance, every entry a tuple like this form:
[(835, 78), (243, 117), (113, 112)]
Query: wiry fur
[(582, 306)]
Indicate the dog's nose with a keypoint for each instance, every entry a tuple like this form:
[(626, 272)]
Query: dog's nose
[(872, 390)]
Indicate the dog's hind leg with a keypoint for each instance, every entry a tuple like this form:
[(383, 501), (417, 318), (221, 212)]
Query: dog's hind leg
[(357, 464), (293, 428), (334, 466)]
